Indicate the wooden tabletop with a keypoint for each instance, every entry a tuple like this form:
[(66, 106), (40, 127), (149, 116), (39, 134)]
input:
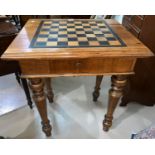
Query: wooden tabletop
[(20, 48)]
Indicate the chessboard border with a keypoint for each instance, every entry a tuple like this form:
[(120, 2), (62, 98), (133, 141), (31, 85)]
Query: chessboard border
[(33, 40)]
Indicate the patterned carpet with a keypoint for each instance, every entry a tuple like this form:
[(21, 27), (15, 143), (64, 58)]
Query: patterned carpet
[(148, 133)]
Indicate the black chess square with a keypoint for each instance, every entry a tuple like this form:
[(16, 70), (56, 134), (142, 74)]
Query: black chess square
[(52, 39), (111, 38), (81, 35), (62, 43), (103, 43), (83, 43), (72, 39), (89, 32), (92, 39), (62, 35)]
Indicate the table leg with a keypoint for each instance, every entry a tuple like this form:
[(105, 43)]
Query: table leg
[(27, 93), (49, 91), (37, 87), (96, 92), (116, 91)]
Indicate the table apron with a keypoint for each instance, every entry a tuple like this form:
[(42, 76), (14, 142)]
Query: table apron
[(78, 67)]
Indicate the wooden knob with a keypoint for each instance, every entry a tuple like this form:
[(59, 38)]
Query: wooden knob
[(78, 64)]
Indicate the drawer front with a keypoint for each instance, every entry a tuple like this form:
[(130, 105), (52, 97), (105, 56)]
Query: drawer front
[(64, 66), (134, 30), (137, 21), (128, 17), (34, 67), (107, 65), (78, 66), (142, 16), (133, 24), (134, 20)]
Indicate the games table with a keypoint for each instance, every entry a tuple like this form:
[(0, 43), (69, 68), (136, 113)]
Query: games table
[(82, 47)]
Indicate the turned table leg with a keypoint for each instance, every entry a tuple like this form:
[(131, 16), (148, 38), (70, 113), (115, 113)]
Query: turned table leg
[(37, 87), (118, 83), (27, 93), (49, 91), (96, 92)]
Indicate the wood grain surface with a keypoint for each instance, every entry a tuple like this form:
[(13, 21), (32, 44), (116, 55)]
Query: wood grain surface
[(19, 48)]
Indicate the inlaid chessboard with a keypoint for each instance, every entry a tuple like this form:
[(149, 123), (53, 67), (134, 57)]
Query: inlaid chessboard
[(74, 34)]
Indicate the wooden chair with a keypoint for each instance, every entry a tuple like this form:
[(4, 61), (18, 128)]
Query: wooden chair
[(7, 33)]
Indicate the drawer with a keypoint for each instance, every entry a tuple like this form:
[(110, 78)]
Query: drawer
[(33, 67), (89, 66), (134, 30), (137, 21), (141, 16), (128, 17), (106, 65), (64, 66), (133, 24)]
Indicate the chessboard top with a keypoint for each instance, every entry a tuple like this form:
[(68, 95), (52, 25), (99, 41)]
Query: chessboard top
[(69, 33), (79, 38)]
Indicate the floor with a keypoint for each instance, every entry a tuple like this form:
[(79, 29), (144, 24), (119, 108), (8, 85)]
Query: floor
[(73, 113), (15, 95)]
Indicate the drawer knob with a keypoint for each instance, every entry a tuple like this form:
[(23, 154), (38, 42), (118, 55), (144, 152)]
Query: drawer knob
[(78, 64)]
